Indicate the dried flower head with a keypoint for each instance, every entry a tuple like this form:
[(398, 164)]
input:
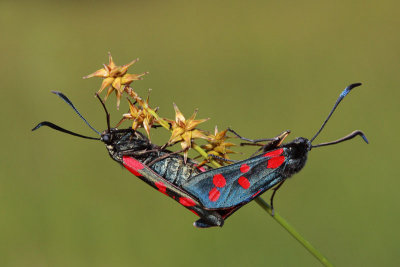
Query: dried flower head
[(217, 146), (184, 131), (116, 79), (140, 115)]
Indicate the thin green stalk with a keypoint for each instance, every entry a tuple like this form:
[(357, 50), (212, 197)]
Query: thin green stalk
[(262, 204), (293, 232)]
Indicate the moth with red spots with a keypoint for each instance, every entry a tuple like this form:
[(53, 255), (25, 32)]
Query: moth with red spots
[(211, 194)]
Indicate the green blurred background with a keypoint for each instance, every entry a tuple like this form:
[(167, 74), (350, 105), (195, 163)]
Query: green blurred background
[(260, 67)]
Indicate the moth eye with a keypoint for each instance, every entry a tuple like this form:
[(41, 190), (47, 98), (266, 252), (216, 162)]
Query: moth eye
[(106, 138)]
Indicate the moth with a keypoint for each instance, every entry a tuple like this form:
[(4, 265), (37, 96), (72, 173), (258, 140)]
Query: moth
[(211, 194)]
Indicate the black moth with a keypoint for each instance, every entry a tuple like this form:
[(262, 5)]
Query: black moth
[(211, 194)]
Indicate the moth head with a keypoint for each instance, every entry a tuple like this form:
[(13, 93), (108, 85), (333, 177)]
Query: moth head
[(299, 147)]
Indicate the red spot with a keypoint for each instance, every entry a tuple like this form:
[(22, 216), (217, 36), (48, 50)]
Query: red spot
[(244, 182), (276, 159), (214, 194), (275, 162), (274, 153), (201, 168), (187, 202), (244, 168), (256, 193), (194, 212), (219, 180), (132, 165), (161, 187)]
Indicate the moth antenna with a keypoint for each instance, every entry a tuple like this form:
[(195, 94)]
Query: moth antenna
[(58, 128), (345, 138), (107, 113), (63, 97), (342, 95)]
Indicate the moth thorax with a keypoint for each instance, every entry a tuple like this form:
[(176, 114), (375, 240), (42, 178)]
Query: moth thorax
[(294, 166)]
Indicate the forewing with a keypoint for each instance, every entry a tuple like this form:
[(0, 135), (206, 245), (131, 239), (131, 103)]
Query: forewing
[(162, 185), (144, 172), (237, 183)]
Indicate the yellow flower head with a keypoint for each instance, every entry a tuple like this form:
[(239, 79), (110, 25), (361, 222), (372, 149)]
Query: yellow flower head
[(217, 145), (140, 115), (184, 131), (116, 78)]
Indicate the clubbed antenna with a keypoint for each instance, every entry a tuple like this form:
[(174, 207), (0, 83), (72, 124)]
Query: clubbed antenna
[(347, 137), (58, 128), (63, 97), (342, 95)]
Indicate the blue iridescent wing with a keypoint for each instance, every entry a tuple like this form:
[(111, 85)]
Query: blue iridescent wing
[(237, 183)]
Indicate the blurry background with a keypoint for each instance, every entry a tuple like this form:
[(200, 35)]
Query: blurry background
[(260, 67)]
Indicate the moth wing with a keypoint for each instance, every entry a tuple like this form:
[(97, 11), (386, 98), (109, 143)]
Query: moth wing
[(145, 173), (237, 183)]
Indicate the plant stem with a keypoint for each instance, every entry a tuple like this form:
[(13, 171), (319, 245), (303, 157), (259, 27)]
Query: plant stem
[(260, 202), (293, 232)]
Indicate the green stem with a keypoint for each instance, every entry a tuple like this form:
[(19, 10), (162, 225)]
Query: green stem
[(293, 232), (161, 121), (260, 202)]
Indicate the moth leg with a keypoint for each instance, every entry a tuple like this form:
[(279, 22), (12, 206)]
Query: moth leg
[(279, 137), (164, 156), (273, 195), (133, 152), (272, 144), (221, 158), (250, 140)]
